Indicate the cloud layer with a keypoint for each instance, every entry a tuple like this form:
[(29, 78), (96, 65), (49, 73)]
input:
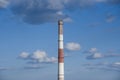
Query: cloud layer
[(43, 11), (39, 11)]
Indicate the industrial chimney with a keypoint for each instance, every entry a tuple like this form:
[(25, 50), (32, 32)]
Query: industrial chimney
[(60, 51)]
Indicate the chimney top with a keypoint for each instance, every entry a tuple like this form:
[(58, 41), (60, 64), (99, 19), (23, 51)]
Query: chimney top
[(60, 22)]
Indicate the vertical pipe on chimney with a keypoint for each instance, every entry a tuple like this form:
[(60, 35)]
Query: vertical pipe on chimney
[(60, 51)]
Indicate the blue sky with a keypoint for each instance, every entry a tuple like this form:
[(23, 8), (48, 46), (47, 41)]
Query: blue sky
[(28, 39)]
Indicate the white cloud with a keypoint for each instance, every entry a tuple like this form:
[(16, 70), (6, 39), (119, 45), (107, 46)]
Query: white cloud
[(60, 13), (93, 50), (41, 56), (38, 56), (95, 56), (67, 19), (24, 55), (117, 63), (73, 46), (51, 60), (4, 3)]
